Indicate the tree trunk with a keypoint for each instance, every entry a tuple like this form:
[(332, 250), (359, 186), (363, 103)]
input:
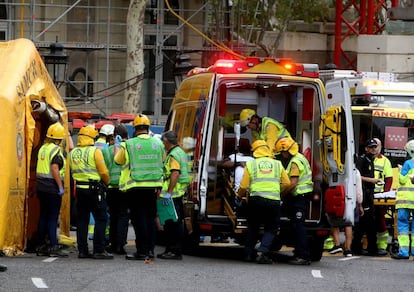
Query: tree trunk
[(135, 56)]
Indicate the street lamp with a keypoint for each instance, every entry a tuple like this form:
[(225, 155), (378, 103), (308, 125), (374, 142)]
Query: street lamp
[(182, 66), (56, 62)]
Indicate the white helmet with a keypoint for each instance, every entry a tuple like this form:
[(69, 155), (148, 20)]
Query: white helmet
[(107, 129), (409, 147)]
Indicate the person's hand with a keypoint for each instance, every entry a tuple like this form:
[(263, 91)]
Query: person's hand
[(238, 201), (166, 199), (118, 140), (61, 191)]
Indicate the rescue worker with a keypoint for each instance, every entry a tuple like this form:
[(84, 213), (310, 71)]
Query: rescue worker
[(105, 138), (91, 177), (106, 133), (297, 195), (264, 128), (404, 204), (141, 179), (266, 179), (176, 180), (49, 187), (366, 224), (384, 173), (117, 203)]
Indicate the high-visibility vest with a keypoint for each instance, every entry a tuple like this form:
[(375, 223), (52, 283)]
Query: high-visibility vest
[(145, 158), (183, 180), (83, 166), (382, 170), (101, 143), (283, 133), (44, 159), (113, 168), (265, 175), (144, 166), (405, 192), (305, 184)]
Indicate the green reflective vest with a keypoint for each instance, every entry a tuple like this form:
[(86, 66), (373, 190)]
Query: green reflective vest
[(305, 184), (113, 168), (144, 165), (265, 175), (83, 166), (183, 180)]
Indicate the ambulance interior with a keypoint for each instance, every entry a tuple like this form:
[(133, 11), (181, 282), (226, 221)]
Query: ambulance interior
[(293, 104)]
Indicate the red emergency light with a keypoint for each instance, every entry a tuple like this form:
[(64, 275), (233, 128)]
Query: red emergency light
[(258, 65)]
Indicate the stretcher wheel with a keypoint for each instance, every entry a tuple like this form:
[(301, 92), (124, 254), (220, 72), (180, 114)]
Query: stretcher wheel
[(393, 247)]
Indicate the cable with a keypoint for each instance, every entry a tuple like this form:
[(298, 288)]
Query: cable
[(214, 43)]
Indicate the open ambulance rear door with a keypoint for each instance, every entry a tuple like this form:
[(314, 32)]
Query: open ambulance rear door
[(338, 151)]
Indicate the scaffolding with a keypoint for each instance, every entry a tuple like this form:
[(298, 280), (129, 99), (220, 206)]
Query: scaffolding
[(93, 34)]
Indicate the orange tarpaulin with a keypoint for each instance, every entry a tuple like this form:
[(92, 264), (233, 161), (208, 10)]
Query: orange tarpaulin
[(29, 103)]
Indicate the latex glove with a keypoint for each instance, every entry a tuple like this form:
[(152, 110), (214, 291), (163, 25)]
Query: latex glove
[(238, 201), (118, 140), (61, 191), (166, 199)]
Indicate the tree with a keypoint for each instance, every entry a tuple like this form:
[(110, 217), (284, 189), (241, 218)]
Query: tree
[(135, 56), (274, 15)]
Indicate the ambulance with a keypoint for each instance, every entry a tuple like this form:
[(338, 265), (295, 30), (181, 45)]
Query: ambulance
[(382, 107), (205, 115)]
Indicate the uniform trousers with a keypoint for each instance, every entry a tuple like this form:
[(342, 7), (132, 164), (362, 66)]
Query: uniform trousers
[(142, 203), (118, 217), (48, 219), (87, 201), (174, 231), (261, 211)]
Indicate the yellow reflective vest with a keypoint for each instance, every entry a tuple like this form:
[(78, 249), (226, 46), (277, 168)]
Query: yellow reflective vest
[(405, 192), (305, 184), (44, 159), (265, 175), (83, 165)]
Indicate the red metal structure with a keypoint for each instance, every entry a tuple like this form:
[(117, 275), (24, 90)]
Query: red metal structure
[(370, 19)]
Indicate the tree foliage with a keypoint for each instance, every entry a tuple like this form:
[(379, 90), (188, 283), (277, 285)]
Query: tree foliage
[(253, 18)]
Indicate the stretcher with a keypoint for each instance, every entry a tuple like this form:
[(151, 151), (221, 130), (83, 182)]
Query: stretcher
[(387, 200)]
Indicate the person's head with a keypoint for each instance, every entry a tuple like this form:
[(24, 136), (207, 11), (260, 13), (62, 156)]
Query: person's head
[(371, 147), (409, 147), (379, 147), (287, 147), (249, 119), (189, 143), (55, 133), (121, 130), (141, 124), (261, 149), (169, 139), (87, 135), (107, 133)]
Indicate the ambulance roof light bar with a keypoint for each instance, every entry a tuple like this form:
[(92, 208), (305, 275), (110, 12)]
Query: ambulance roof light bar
[(260, 65)]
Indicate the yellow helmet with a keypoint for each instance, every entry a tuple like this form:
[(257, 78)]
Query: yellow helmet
[(258, 143), (245, 116), (89, 131), (141, 120), (287, 144), (409, 147), (56, 131)]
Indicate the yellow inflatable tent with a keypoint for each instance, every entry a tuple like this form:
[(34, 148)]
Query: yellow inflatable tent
[(29, 103)]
